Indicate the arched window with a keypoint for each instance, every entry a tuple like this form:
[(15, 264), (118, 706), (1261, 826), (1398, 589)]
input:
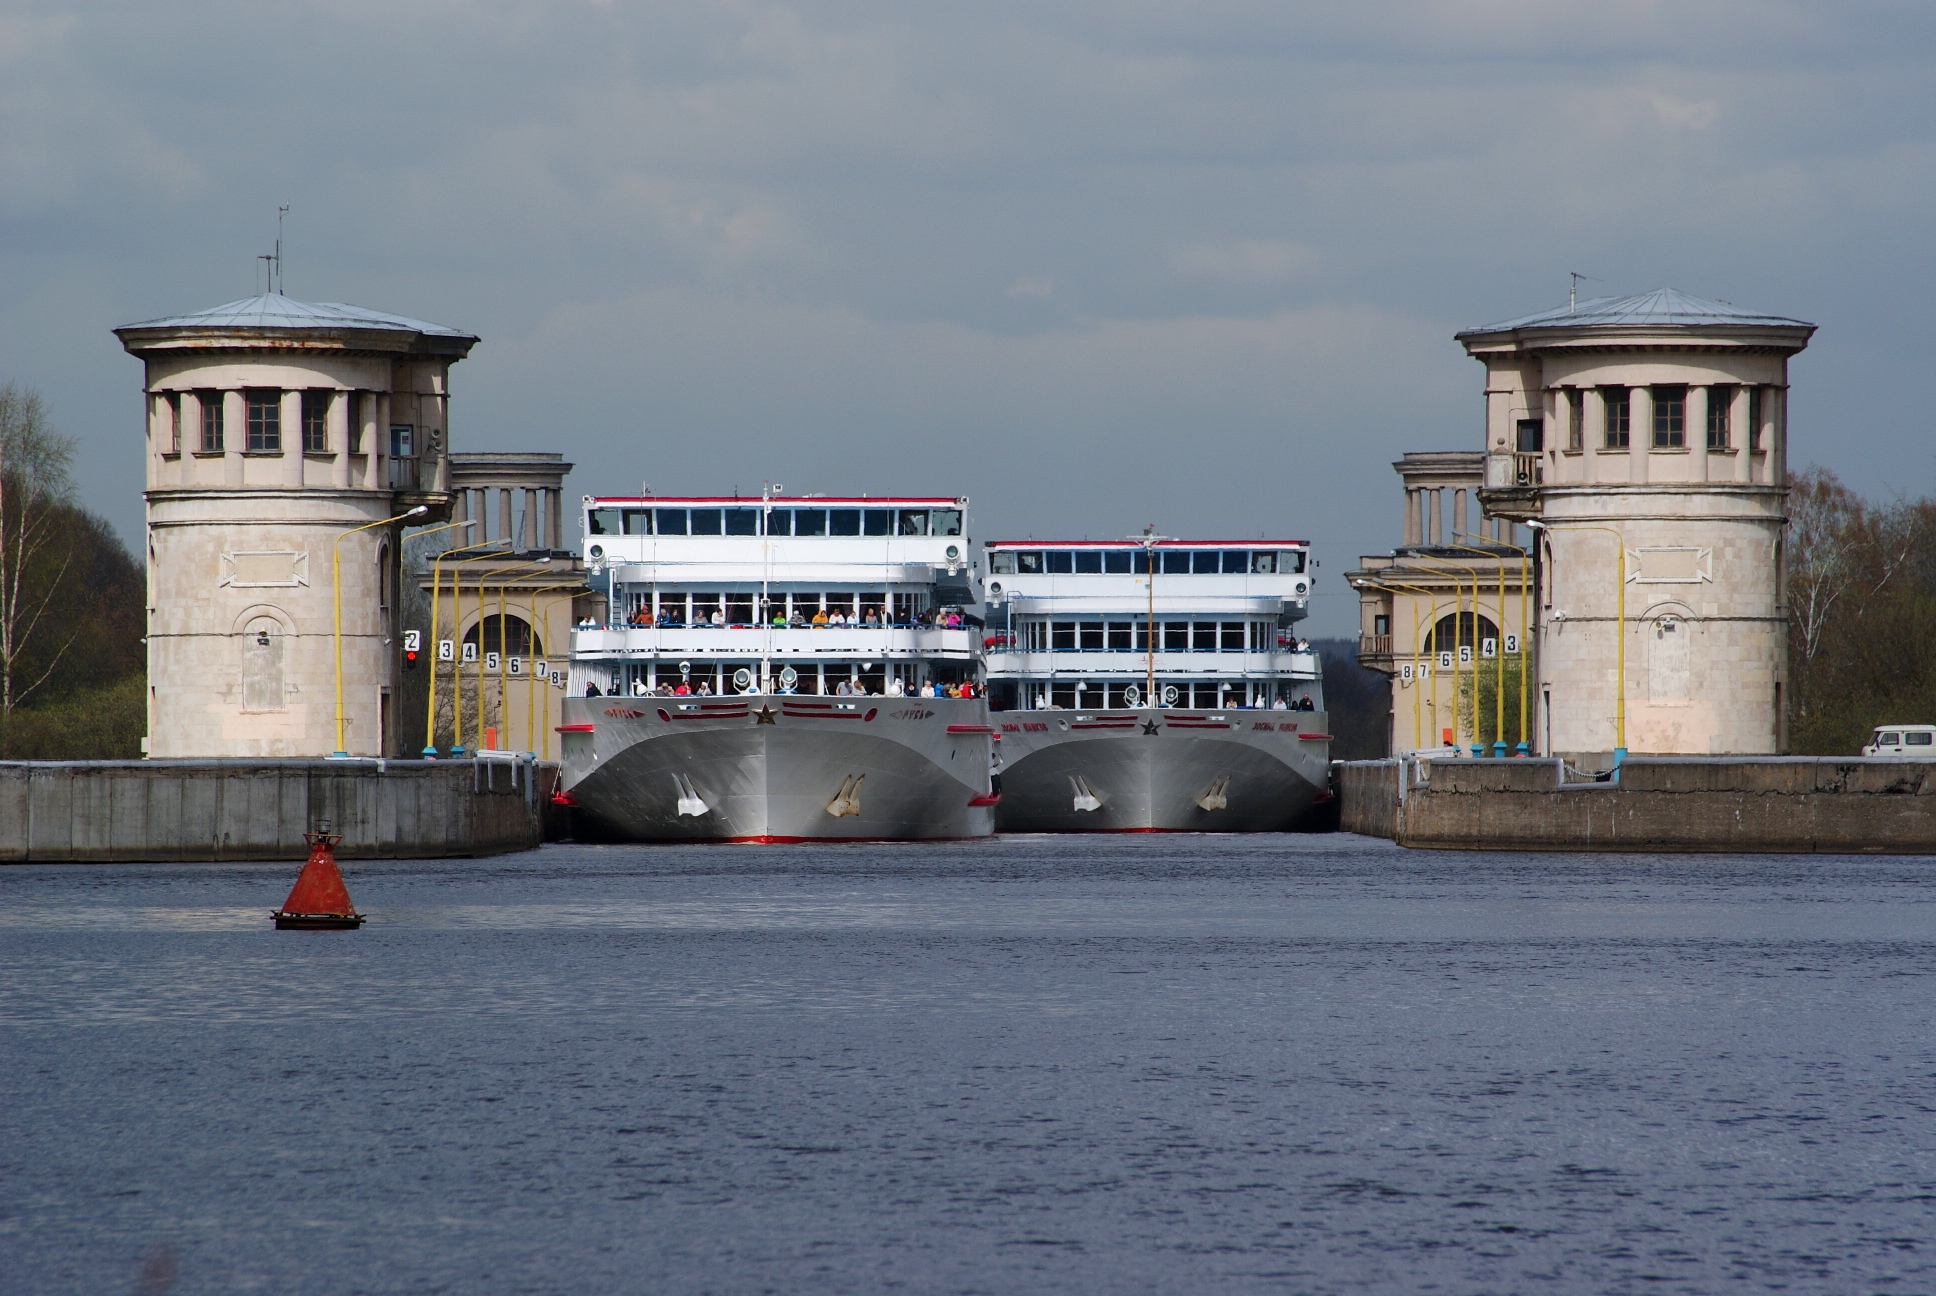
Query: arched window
[(514, 637), (1455, 629)]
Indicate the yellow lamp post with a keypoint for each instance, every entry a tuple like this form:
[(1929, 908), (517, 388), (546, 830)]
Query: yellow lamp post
[(457, 615), (336, 580), (1619, 631), (1457, 634), (1418, 650), (1499, 686), (436, 592), (532, 729)]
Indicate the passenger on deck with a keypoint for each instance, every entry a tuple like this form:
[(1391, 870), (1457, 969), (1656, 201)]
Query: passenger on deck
[(682, 689), (870, 618), (719, 618), (705, 688), (796, 619), (1280, 705), (820, 617), (895, 688), (638, 688), (844, 689), (591, 689)]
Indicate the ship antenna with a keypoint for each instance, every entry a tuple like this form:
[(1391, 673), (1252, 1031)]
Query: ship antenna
[(1148, 540)]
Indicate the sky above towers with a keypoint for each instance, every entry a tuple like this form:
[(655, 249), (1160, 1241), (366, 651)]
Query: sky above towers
[(1093, 265)]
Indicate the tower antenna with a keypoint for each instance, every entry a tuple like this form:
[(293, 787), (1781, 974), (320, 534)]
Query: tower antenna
[(280, 213), (1572, 292)]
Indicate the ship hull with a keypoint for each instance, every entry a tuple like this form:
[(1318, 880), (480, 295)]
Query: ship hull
[(780, 768), (1157, 771)]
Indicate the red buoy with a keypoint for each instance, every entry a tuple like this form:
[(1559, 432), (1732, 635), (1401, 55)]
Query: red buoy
[(319, 898)]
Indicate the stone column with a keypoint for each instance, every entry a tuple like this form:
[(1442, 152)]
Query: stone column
[(505, 529), (1593, 434), (292, 438), (339, 439), (1697, 401), (235, 435), (1738, 430), (531, 527), (556, 518), (1459, 520), (1640, 431), (1432, 526), (1776, 438)]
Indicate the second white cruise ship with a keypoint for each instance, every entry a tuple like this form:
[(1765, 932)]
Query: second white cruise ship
[(779, 669), (1154, 686)]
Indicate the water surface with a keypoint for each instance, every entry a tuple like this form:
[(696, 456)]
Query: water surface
[(1307, 1064)]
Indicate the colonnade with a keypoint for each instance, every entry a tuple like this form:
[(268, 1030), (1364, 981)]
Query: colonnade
[(531, 517)]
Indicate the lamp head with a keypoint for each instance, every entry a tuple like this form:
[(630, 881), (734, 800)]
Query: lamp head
[(421, 508)]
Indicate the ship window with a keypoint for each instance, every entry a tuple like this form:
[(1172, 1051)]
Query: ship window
[(1119, 636), (703, 608), (1236, 561), (1089, 562), (1260, 635), (1206, 561), (742, 521), (841, 603), (1061, 562), (1116, 561), (913, 522), (1028, 563), (1291, 560), (1176, 562), (638, 521), (739, 609), (1265, 562), (810, 522), (1176, 636), (1233, 636), (842, 522), (877, 522), (1063, 696), (1062, 636), (1002, 563), (1091, 636), (602, 522), (669, 521), (705, 522), (1203, 637), (947, 522), (1142, 636), (1139, 561)]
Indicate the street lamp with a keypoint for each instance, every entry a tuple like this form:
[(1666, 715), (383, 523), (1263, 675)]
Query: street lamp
[(336, 580), (1620, 635)]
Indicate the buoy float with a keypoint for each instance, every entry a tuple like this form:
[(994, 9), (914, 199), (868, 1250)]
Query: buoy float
[(319, 899)]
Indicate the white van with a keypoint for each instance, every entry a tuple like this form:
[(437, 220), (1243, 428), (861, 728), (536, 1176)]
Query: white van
[(1913, 742)]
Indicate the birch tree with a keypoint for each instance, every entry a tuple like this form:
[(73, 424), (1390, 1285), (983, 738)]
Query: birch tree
[(36, 482)]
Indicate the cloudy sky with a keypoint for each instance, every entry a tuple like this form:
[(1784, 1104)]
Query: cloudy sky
[(1093, 265)]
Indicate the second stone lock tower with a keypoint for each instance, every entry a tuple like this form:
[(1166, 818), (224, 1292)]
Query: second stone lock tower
[(1651, 430), (273, 427)]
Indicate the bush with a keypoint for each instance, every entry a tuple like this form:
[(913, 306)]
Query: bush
[(100, 724)]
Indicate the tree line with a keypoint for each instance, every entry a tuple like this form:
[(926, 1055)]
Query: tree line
[(72, 604), (1861, 614)]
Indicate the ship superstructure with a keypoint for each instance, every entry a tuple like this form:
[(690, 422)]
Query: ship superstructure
[(1154, 685), (780, 668)]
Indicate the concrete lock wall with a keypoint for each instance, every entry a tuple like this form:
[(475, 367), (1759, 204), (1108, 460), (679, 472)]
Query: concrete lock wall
[(208, 810), (1834, 805)]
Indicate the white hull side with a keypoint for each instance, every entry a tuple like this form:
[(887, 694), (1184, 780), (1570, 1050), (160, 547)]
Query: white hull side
[(908, 777), (1268, 779)]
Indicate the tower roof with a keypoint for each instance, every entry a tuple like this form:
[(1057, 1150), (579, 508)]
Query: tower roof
[(274, 311), (1663, 307), (256, 321)]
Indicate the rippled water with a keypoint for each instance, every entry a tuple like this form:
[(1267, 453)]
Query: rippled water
[(1121, 1065)]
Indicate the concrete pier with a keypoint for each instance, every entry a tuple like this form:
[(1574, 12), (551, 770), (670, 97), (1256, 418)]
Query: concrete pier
[(208, 810), (1831, 805)]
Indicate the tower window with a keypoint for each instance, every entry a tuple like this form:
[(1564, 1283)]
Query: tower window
[(211, 403), (1754, 420), (1670, 417), (1576, 409), (353, 410), (1618, 421), (1719, 403), (315, 414), (265, 421), (1531, 436)]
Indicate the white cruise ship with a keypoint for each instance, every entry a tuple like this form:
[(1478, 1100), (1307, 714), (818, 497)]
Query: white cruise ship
[(779, 669), (1154, 686)]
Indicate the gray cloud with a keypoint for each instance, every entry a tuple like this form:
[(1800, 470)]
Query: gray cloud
[(1094, 265)]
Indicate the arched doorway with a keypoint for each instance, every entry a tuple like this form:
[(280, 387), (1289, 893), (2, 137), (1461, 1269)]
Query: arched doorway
[(1462, 629), (513, 637)]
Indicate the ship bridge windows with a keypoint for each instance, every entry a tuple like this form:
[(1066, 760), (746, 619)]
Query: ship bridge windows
[(742, 521), (1116, 562), (602, 522), (669, 521), (1060, 562), (707, 521), (843, 522), (1088, 562)]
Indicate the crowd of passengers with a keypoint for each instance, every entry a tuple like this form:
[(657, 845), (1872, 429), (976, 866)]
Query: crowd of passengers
[(949, 619), (846, 688)]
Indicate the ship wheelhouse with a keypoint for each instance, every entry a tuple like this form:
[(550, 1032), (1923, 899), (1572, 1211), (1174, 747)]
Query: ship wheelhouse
[(786, 595), (1088, 625)]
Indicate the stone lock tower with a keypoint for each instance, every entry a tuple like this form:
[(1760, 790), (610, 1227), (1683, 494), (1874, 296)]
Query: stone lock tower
[(1650, 430), (274, 427)]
